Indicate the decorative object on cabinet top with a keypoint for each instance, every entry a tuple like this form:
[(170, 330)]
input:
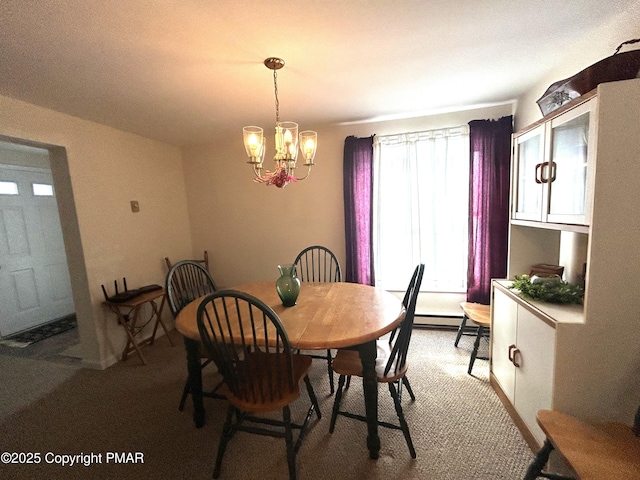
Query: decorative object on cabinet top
[(548, 289), (544, 269), (619, 66)]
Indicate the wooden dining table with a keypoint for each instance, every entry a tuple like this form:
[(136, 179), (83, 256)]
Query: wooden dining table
[(326, 316)]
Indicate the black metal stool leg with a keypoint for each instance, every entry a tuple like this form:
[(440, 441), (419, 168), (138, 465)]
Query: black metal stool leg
[(476, 345), (538, 463), (540, 460), (461, 328)]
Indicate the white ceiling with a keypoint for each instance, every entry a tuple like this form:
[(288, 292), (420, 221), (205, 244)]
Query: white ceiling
[(184, 70)]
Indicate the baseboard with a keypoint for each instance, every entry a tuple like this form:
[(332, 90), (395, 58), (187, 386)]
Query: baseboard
[(439, 319), (100, 365)]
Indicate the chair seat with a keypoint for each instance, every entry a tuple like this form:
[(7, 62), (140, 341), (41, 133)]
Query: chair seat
[(272, 391), (347, 363), (593, 451), (477, 313)]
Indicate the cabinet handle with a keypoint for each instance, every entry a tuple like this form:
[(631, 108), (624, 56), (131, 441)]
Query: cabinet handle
[(511, 347), (516, 352), (552, 165), (544, 172), (539, 173)]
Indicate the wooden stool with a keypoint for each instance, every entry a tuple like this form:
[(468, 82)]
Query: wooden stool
[(481, 316), (609, 450), (463, 326)]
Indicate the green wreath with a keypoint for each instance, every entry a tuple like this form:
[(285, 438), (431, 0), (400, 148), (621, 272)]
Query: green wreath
[(552, 290)]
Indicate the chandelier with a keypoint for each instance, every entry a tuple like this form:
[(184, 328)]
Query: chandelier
[(286, 144)]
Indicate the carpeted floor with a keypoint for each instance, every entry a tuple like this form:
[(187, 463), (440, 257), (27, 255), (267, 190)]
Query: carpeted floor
[(460, 429)]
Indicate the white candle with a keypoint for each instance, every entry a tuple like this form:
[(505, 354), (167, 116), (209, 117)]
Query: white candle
[(308, 148), (253, 144), (287, 137)]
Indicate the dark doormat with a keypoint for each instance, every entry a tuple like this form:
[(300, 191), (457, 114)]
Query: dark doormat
[(24, 339)]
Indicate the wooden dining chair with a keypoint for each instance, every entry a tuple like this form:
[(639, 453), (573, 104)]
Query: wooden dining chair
[(319, 264), (246, 340), (204, 261), (186, 281), (391, 365)]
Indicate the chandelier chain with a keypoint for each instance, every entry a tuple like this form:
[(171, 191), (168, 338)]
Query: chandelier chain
[(275, 88)]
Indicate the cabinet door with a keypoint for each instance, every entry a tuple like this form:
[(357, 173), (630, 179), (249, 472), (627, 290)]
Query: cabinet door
[(528, 163), (571, 147), (503, 335), (535, 357)]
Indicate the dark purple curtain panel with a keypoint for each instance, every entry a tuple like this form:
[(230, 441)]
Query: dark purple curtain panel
[(490, 159), (358, 209)]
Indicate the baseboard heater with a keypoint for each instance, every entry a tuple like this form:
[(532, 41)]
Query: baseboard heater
[(439, 320)]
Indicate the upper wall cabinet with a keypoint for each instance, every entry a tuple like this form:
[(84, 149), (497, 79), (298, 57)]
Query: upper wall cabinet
[(553, 165)]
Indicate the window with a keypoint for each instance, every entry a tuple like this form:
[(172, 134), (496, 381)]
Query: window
[(42, 190), (421, 203), (8, 188)]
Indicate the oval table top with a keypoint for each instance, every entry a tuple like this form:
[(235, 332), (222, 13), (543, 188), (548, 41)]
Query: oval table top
[(326, 315)]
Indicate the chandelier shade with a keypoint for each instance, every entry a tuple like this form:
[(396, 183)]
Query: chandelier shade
[(308, 142), (286, 142), (253, 138)]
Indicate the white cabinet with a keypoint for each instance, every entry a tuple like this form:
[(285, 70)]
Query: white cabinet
[(553, 166), (582, 213), (523, 358)]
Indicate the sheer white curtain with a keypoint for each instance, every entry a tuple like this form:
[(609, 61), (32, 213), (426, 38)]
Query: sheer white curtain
[(421, 203)]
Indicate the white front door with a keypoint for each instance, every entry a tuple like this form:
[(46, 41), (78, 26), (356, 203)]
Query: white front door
[(34, 277)]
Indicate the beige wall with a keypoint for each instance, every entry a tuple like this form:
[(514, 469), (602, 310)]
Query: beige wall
[(249, 228), (97, 171)]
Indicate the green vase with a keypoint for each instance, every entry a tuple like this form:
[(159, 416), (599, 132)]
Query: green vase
[(288, 285)]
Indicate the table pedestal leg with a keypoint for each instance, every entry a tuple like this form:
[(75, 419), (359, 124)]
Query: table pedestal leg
[(195, 379), (368, 354)]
